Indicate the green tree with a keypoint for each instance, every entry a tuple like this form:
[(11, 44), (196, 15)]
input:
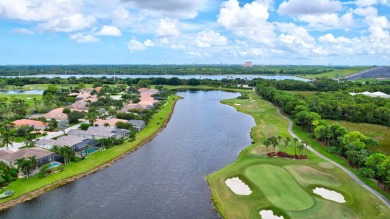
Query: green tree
[(6, 139), (286, 142)]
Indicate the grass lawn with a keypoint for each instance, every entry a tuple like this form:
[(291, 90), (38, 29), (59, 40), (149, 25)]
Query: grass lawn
[(27, 97), (23, 186), (279, 181), (377, 132), (336, 72), (44, 86)]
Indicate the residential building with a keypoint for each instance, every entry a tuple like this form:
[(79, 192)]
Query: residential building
[(100, 132), (138, 125), (28, 122), (111, 122), (43, 156), (56, 114)]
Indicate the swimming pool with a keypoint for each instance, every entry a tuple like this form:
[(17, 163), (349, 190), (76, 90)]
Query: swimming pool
[(54, 164), (89, 150)]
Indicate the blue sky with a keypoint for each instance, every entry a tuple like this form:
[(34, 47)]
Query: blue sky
[(195, 31)]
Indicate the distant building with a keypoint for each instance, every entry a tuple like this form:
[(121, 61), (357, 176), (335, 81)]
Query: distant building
[(248, 64)]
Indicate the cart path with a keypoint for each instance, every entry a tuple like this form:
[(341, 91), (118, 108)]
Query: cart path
[(353, 176)]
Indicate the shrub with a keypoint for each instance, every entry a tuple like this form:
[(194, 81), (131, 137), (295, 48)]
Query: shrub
[(366, 172), (123, 125), (66, 110), (84, 126)]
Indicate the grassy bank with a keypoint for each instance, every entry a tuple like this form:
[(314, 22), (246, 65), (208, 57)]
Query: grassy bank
[(24, 188), (338, 72), (253, 166)]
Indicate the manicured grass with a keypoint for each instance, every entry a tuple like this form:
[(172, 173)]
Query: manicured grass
[(377, 132), (279, 187), (336, 72), (312, 173), (23, 186), (27, 97)]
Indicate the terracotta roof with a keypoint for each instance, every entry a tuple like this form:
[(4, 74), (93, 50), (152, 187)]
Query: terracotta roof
[(29, 122), (78, 106), (5, 152), (111, 122), (27, 152), (54, 114)]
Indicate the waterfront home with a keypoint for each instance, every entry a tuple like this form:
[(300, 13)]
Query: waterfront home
[(138, 125), (43, 156), (100, 132), (56, 114), (78, 144), (28, 122), (146, 100), (110, 122)]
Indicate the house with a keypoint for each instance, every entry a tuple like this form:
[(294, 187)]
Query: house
[(78, 144), (56, 114), (111, 122), (100, 132), (78, 106), (43, 156), (146, 100), (33, 123), (138, 124)]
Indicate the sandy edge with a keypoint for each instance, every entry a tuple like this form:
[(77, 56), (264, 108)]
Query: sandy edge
[(63, 182), (269, 214), (329, 195), (237, 186)]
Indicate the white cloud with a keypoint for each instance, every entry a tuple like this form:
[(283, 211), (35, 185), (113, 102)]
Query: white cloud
[(169, 8), (109, 31), (135, 45), (168, 28), (365, 3), (248, 21), (305, 7), (208, 38), (366, 12), (328, 20), (81, 38), (22, 31), (39, 10), (329, 38), (68, 24)]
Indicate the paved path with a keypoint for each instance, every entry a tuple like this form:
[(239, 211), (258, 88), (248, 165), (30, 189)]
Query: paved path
[(353, 176), (15, 146)]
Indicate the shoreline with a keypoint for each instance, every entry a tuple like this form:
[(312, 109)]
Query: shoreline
[(62, 182)]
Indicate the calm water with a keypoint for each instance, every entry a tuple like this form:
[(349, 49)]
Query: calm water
[(21, 91), (163, 179), (214, 77)]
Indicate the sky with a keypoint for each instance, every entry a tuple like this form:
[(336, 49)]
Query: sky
[(265, 32)]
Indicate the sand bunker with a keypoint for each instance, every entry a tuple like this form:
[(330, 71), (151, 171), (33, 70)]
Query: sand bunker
[(269, 214), (237, 186), (330, 195), (237, 104)]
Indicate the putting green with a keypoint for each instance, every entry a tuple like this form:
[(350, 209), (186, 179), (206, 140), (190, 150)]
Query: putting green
[(279, 187)]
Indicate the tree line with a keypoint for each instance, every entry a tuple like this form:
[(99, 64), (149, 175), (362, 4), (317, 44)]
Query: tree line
[(357, 148)]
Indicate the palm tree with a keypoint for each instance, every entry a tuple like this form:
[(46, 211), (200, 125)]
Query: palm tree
[(86, 151), (106, 124), (274, 141), (295, 144), (267, 143), (29, 143), (6, 139), (301, 147), (286, 141), (91, 117), (25, 165)]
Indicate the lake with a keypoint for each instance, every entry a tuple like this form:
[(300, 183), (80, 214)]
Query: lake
[(21, 92), (163, 179), (213, 77)]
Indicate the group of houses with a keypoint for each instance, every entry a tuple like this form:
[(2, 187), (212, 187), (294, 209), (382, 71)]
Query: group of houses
[(79, 140)]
